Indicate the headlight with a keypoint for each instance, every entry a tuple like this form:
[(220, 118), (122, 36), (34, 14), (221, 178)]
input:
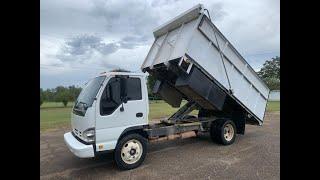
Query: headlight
[(89, 134)]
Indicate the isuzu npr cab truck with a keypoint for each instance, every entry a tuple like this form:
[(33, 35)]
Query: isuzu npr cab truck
[(192, 61)]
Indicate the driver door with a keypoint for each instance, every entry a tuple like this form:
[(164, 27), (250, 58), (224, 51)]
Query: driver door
[(111, 120)]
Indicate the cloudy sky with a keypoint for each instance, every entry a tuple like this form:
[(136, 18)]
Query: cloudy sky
[(82, 38)]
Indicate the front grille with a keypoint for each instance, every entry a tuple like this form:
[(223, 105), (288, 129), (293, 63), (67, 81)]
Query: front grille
[(77, 132)]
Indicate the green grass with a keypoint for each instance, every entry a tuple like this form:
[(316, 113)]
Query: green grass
[(273, 106), (54, 115), (55, 105), (160, 109)]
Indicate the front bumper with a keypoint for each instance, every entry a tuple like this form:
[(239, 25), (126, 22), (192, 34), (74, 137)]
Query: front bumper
[(77, 148)]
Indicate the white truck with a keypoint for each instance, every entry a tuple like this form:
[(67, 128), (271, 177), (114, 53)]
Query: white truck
[(192, 61)]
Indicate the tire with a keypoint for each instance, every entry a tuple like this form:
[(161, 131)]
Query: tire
[(130, 152), (223, 131)]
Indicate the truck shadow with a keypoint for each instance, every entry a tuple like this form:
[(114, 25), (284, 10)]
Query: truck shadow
[(106, 161), (104, 165)]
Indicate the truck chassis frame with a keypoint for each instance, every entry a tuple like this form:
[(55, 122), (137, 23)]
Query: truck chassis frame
[(178, 124)]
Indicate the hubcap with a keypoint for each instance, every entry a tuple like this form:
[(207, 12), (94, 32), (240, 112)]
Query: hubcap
[(228, 132), (131, 151)]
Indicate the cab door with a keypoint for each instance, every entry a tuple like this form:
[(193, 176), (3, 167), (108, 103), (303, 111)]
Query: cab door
[(113, 115)]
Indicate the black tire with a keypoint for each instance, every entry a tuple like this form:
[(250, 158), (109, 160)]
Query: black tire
[(117, 155), (217, 131)]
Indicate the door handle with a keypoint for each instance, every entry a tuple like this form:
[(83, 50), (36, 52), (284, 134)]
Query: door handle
[(140, 114)]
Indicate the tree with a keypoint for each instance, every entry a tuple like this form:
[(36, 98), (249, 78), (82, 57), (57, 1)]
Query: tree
[(74, 92), (62, 95), (150, 83), (41, 96), (65, 102), (151, 80), (270, 73), (48, 95), (273, 83)]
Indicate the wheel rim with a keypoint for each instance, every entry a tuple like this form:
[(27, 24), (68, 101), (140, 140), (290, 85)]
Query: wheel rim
[(228, 132), (131, 151)]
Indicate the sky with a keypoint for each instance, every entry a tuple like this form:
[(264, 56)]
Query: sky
[(79, 39)]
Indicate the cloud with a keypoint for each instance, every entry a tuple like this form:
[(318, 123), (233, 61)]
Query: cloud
[(131, 42), (49, 47), (129, 17), (88, 36), (83, 47), (217, 11)]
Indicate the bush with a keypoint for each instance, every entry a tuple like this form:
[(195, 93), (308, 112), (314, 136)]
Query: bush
[(41, 101)]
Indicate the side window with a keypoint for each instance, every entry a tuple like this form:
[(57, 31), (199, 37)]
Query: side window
[(134, 89), (110, 99)]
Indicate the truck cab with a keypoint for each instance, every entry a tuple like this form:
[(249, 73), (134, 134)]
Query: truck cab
[(108, 106)]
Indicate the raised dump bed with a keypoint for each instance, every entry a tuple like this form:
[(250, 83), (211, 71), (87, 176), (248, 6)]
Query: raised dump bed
[(192, 60)]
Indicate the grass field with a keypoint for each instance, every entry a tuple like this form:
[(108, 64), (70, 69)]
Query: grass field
[(54, 115), (55, 105), (273, 106)]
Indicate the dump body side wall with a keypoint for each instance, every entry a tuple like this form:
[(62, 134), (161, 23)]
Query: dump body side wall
[(231, 55), (246, 87)]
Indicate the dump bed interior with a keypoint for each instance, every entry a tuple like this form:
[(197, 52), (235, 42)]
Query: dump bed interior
[(192, 60)]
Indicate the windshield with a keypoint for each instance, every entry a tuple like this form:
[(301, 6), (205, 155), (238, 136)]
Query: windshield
[(89, 92)]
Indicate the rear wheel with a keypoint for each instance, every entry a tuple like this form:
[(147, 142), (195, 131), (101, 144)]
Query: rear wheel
[(130, 151), (223, 131)]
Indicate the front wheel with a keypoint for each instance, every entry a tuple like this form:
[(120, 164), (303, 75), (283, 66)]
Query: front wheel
[(223, 131), (130, 151)]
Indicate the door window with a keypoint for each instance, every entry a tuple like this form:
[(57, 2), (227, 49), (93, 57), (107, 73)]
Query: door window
[(111, 96), (134, 89)]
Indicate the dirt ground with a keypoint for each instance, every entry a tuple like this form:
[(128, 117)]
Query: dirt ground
[(255, 155)]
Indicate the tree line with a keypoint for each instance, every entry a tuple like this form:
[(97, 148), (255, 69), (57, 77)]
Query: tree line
[(269, 73), (60, 94)]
